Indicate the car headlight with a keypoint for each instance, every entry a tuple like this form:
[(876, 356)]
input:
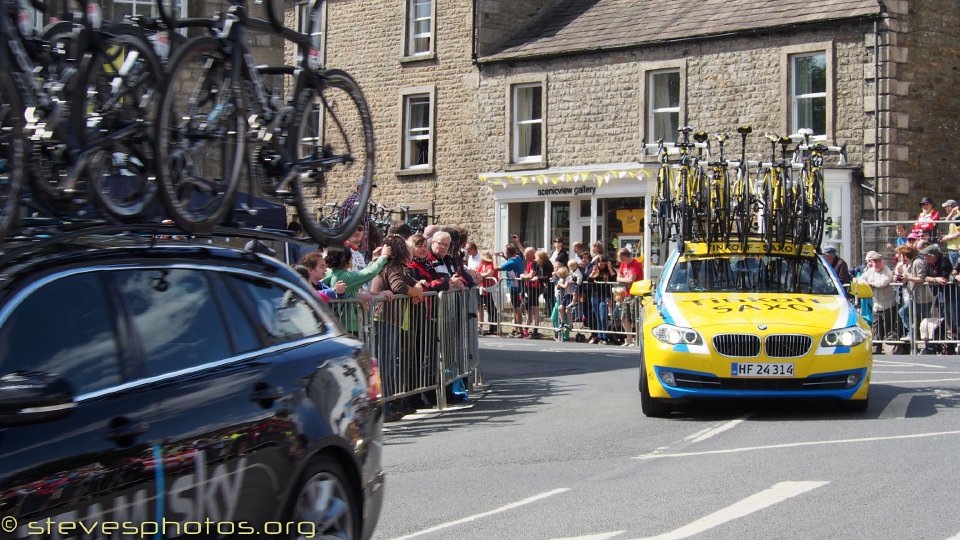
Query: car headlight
[(675, 335), (844, 337)]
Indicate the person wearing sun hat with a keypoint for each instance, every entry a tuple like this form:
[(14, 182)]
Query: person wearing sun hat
[(927, 220), (951, 240), (879, 277)]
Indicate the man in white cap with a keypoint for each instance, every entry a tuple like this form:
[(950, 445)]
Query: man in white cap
[(951, 240), (880, 278)]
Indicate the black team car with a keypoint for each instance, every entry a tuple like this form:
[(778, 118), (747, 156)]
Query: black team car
[(152, 386)]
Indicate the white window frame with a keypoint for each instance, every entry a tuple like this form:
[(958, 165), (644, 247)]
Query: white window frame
[(517, 124), (653, 112), (150, 7), (795, 99), (318, 36), (788, 80), (410, 33), (409, 135)]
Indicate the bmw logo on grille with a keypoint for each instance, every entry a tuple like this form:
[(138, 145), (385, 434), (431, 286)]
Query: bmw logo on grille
[(761, 327)]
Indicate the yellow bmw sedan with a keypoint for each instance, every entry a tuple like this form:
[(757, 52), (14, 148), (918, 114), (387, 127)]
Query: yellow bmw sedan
[(751, 323)]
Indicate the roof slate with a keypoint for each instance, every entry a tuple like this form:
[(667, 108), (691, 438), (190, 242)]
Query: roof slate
[(586, 25)]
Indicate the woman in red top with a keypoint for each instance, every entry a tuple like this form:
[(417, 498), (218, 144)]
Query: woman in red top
[(488, 271), (927, 220)]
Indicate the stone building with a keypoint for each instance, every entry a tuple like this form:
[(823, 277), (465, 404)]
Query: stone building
[(527, 116)]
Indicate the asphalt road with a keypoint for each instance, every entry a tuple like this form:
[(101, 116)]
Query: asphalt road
[(556, 447)]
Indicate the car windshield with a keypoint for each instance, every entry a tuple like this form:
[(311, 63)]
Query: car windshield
[(751, 273)]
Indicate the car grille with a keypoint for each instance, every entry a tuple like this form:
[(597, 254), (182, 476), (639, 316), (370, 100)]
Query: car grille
[(775, 346), (787, 345), (737, 345)]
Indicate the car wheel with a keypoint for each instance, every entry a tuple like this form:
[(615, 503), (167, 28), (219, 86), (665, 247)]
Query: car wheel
[(326, 500), (652, 407)]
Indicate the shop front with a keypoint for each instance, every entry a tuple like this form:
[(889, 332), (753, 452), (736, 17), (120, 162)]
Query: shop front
[(609, 204), (598, 203)]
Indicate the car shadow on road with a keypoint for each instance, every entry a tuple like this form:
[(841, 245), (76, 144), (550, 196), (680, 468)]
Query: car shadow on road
[(502, 403), (886, 401)]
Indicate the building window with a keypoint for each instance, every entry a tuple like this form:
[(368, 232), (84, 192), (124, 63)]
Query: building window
[(808, 92), (419, 27), (313, 28), (663, 116), (417, 131), (527, 123), (526, 220), (146, 8)]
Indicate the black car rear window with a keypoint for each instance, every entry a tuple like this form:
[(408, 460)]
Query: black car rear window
[(65, 328), (283, 315), (175, 315)]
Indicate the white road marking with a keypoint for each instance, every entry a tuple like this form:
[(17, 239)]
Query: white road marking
[(797, 444), (916, 372), (719, 429), (897, 408), (907, 364), (475, 517), (916, 381), (779, 492), (599, 536)]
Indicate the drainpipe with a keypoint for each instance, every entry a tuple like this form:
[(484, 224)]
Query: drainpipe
[(473, 34), (876, 111)]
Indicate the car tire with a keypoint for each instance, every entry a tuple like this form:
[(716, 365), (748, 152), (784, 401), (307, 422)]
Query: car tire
[(325, 498), (652, 407)]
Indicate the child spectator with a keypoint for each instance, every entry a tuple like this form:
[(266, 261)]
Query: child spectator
[(563, 293)]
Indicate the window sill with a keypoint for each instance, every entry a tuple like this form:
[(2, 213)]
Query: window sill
[(421, 171), (418, 58), (525, 166)]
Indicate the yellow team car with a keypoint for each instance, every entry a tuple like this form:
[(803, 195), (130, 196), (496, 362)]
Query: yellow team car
[(750, 323)]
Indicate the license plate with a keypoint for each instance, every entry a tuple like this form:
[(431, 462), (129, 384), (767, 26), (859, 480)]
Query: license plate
[(761, 369)]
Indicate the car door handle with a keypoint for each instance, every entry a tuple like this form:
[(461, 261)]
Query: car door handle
[(266, 395), (128, 430)]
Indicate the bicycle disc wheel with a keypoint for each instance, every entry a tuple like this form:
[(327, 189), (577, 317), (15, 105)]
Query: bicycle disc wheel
[(11, 155), (200, 132), (119, 96), (331, 140)]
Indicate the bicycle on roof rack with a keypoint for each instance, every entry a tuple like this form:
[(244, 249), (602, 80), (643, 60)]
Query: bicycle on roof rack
[(321, 139)]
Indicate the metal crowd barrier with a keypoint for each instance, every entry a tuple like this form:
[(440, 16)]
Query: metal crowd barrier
[(922, 320), (600, 311), (421, 346)]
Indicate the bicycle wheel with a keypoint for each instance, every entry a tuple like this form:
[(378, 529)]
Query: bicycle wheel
[(11, 154), (119, 96), (331, 140), (200, 133), (662, 203), (682, 210), (818, 210), (767, 197)]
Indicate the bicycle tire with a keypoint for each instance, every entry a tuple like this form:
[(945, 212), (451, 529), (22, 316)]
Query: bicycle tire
[(342, 139), (49, 165), (661, 194), (681, 209), (767, 197), (818, 210), (120, 87), (203, 200), (11, 155)]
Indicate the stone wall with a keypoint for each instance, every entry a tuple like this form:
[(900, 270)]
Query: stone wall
[(921, 114)]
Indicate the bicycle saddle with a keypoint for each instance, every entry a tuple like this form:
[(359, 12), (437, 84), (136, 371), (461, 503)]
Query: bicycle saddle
[(806, 132), (700, 136), (772, 137), (721, 137), (685, 129), (743, 130), (784, 141)]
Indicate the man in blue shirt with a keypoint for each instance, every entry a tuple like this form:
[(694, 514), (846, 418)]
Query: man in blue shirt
[(510, 271)]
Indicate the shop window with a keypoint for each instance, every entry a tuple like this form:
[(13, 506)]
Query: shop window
[(526, 220), (623, 222)]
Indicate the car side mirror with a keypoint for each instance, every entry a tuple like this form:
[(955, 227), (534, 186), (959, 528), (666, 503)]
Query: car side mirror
[(29, 397), (641, 288), (859, 289)]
